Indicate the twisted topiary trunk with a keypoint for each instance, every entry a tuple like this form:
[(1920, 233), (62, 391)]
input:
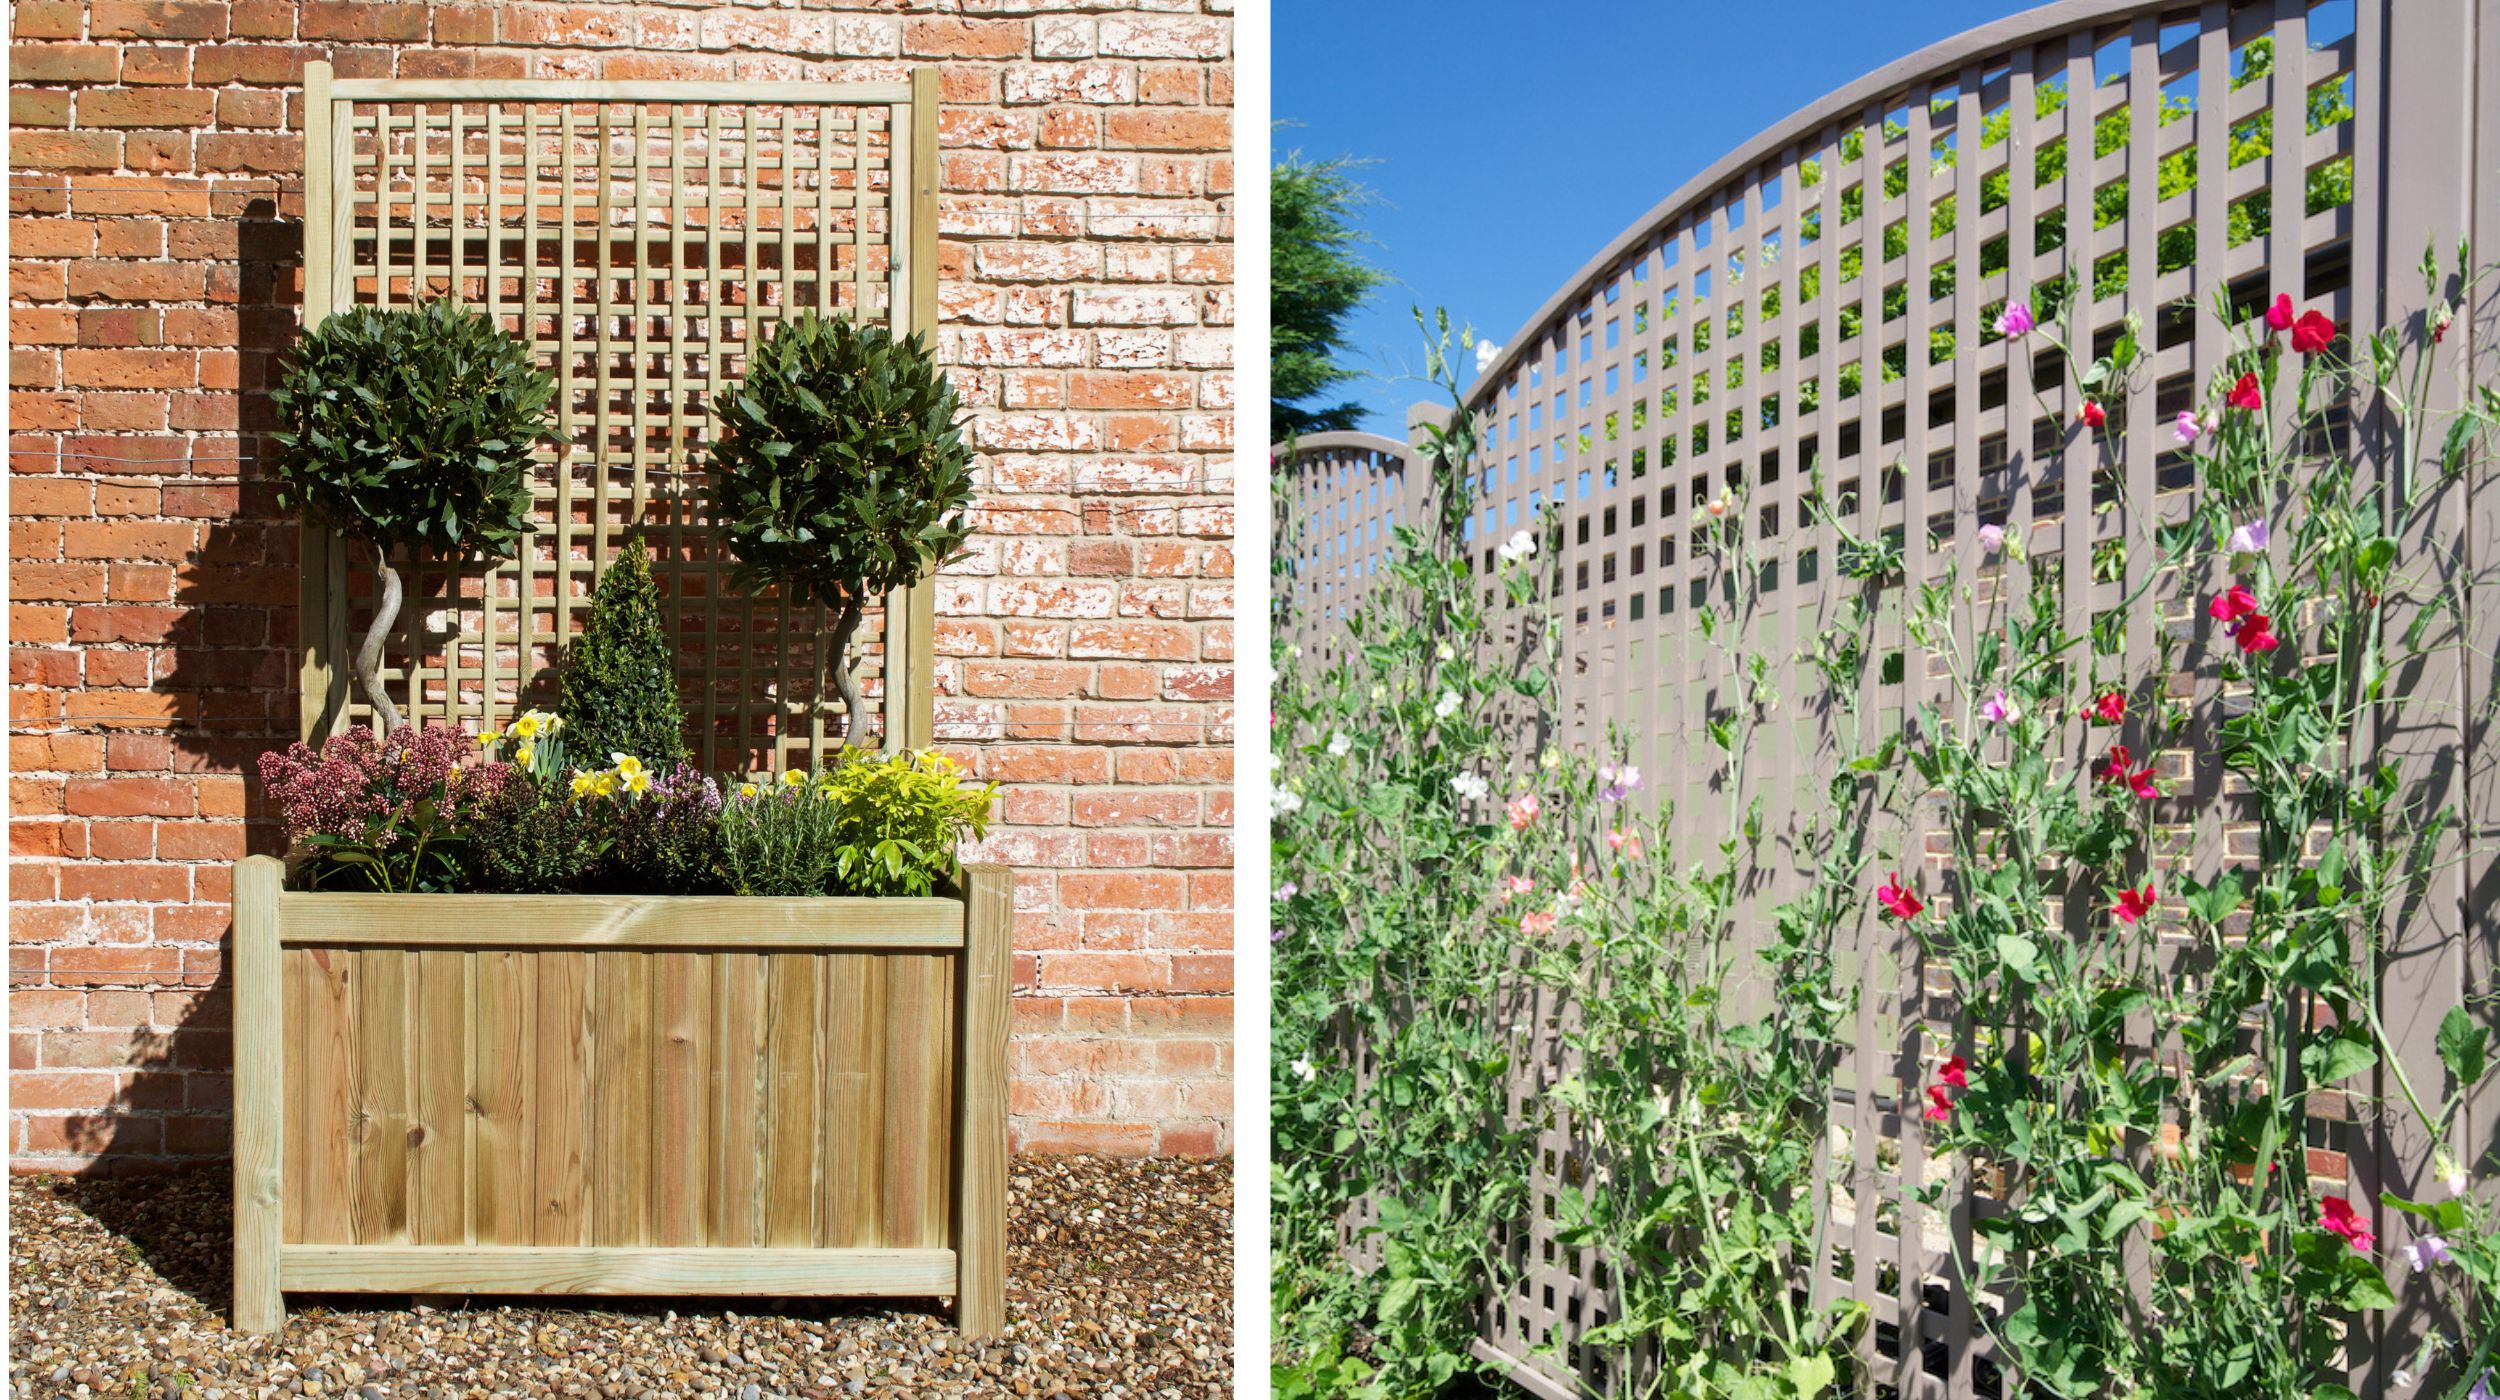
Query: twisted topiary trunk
[(369, 654), (838, 661)]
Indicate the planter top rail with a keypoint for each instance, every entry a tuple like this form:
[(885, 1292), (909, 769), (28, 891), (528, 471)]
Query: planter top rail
[(639, 237)]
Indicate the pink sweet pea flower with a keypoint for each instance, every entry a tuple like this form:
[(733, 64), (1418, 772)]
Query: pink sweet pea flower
[(2189, 427), (2113, 769), (2015, 320), (1616, 837), (1991, 538), (2312, 333), (1515, 885), (1939, 1107), (1540, 923), (2140, 782), (1997, 709), (1897, 900), (2109, 707), (1523, 810), (2279, 315), (2337, 1217)]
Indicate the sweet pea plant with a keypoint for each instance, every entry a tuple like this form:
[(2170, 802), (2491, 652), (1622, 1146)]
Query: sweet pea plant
[(2143, 1111), (2131, 1034), (1437, 883)]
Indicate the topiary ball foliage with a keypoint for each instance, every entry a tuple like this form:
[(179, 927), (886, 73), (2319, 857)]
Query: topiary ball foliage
[(620, 674), (838, 471), (412, 427)]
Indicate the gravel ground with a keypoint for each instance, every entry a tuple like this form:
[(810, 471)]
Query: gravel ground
[(1119, 1283)]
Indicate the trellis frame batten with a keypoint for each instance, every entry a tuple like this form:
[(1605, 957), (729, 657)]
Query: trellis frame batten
[(909, 154)]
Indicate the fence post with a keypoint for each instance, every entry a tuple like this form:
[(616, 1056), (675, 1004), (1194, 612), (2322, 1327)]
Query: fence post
[(259, 1071), (981, 1102)]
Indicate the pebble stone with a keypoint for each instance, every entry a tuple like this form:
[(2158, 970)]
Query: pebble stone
[(1119, 1285)]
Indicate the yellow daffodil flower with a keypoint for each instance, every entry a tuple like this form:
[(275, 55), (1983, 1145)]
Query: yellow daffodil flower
[(581, 784), (637, 781), (746, 789), (793, 778), (626, 764), (526, 727), (521, 755), (489, 738)]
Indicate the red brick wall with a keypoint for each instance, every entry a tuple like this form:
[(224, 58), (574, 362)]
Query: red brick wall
[(1085, 648)]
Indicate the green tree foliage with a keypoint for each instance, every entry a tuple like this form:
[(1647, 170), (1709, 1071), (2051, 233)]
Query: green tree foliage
[(620, 674), (840, 473), (410, 429), (1319, 280)]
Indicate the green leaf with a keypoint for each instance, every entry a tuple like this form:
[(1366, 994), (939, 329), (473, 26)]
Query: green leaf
[(2464, 1046)]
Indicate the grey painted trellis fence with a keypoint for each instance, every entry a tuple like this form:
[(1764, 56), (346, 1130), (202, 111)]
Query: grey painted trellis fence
[(2320, 177)]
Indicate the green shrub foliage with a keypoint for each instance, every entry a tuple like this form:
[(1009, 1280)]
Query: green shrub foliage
[(534, 838), (839, 472), (410, 429), (620, 674)]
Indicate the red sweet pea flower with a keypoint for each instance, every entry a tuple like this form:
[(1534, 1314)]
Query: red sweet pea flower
[(2091, 415), (2133, 904), (2113, 769), (2108, 708), (1939, 1108), (2140, 782), (2312, 333), (1897, 901), (2336, 1215), (2279, 315), (2246, 394), (1956, 1072), (2232, 605), (2256, 634)]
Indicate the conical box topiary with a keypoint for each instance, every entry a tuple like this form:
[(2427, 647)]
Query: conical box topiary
[(620, 674)]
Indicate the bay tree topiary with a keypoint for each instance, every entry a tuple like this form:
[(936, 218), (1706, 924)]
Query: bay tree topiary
[(410, 430), (839, 473), (620, 674)]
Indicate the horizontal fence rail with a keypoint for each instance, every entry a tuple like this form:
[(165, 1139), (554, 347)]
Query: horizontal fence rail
[(640, 238), (1821, 302)]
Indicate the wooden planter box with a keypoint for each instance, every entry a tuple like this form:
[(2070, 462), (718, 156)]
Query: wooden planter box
[(580, 1094)]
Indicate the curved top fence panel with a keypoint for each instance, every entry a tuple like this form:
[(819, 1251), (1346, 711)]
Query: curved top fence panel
[(640, 237), (1808, 335), (1346, 494)]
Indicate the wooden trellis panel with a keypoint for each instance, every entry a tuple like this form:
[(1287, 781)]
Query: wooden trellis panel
[(1849, 329), (641, 237)]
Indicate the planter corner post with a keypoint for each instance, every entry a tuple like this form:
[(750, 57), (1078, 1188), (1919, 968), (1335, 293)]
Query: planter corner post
[(981, 1105), (259, 1305)]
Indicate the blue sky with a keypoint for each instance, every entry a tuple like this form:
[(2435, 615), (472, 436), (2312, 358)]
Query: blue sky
[(1508, 141)]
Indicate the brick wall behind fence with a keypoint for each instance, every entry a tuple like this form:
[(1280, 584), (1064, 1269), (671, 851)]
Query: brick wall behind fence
[(1085, 649)]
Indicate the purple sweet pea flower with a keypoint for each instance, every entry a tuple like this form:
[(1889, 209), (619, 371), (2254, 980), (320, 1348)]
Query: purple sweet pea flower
[(1991, 538), (2482, 1388), (1618, 782), (1276, 935), (1997, 709), (2427, 1251), (2015, 321), (2187, 428), (2251, 538), (1287, 891)]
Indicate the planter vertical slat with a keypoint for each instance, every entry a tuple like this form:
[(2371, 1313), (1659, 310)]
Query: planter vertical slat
[(464, 1093)]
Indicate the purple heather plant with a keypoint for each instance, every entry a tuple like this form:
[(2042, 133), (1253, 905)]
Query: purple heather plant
[(667, 838)]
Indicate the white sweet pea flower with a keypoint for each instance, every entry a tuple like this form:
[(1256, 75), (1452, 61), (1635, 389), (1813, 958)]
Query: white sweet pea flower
[(1550, 760), (1339, 745), (1470, 787), (1303, 1070), (1446, 652), (1520, 545), (1447, 705), (1284, 802), (1380, 693)]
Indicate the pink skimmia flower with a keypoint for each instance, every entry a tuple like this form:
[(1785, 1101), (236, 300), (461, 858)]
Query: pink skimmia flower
[(2336, 1215), (1997, 709), (2427, 1251), (2279, 315), (1991, 538), (2246, 394), (1523, 810), (2015, 320), (1897, 900), (1956, 1072), (2312, 333), (2133, 905), (2251, 538), (2109, 707)]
